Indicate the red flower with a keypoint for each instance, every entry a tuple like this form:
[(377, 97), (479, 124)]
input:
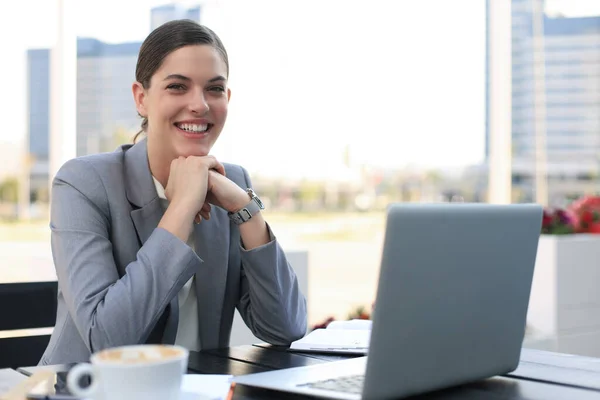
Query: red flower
[(547, 219), (587, 211), (587, 217), (558, 221)]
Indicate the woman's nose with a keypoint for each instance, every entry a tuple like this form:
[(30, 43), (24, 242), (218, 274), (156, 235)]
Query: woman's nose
[(199, 104)]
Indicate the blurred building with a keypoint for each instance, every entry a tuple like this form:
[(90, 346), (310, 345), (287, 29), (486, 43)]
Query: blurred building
[(169, 12), (38, 103), (106, 114), (105, 110), (565, 108)]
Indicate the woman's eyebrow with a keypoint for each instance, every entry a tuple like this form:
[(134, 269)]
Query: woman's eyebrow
[(177, 76), (217, 78)]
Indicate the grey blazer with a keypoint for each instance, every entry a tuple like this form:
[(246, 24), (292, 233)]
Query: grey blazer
[(119, 274)]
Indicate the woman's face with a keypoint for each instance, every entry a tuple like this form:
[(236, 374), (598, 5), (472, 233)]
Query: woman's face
[(186, 102)]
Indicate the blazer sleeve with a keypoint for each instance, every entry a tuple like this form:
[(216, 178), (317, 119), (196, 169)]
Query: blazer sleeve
[(107, 309), (271, 303)]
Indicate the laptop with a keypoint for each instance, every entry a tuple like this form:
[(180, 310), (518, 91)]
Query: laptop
[(451, 304)]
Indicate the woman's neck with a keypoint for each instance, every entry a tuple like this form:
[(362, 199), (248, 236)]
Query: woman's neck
[(159, 165)]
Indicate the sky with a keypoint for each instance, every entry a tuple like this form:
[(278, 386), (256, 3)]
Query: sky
[(399, 82)]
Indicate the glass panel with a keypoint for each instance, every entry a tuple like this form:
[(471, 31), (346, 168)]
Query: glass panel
[(338, 108)]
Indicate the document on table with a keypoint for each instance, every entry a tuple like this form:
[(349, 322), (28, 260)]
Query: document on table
[(345, 337)]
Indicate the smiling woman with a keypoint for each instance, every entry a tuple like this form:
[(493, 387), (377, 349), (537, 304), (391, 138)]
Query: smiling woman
[(182, 81), (132, 266)]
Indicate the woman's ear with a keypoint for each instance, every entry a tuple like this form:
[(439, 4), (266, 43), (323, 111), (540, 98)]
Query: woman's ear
[(139, 96), (228, 94)]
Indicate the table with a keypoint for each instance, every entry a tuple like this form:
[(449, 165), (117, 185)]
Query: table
[(541, 375)]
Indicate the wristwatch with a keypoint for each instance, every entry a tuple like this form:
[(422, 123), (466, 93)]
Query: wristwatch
[(249, 210)]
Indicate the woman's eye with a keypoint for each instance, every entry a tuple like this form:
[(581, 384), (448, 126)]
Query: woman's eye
[(176, 86), (217, 89)]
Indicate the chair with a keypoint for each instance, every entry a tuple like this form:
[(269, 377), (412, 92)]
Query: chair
[(26, 306)]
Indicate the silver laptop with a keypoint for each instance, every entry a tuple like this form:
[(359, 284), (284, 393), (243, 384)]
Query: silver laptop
[(451, 304)]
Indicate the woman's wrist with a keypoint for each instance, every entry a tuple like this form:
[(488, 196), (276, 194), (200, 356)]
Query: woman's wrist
[(178, 220), (240, 201), (183, 207), (254, 232)]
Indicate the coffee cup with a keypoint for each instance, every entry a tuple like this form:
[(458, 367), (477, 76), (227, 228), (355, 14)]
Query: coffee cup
[(148, 372)]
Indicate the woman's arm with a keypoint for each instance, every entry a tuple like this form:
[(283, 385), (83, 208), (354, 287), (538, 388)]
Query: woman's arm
[(255, 232), (271, 303), (109, 310)]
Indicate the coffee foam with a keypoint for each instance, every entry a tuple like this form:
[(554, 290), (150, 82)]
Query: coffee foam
[(139, 355)]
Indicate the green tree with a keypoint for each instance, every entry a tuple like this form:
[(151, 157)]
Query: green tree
[(309, 193), (434, 177), (9, 190)]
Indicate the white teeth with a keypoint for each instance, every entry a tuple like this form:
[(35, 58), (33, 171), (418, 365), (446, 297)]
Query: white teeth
[(193, 127)]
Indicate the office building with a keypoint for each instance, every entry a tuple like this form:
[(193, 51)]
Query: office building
[(106, 114), (38, 96), (105, 110), (555, 97)]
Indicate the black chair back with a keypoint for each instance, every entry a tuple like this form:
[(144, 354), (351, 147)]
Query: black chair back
[(27, 305)]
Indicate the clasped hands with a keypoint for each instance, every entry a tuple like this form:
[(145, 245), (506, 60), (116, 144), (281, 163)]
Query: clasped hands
[(196, 183)]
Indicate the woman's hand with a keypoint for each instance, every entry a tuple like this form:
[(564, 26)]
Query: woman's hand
[(224, 193), (228, 195), (188, 180), (186, 191)]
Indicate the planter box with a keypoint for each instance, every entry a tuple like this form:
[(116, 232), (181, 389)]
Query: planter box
[(564, 307)]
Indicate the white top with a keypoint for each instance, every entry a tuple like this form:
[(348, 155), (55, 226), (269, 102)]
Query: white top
[(187, 328)]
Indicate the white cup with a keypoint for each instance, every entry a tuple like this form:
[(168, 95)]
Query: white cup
[(142, 372)]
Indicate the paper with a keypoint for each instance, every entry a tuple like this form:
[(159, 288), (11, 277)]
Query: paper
[(9, 379), (20, 386), (214, 387), (351, 341), (350, 337)]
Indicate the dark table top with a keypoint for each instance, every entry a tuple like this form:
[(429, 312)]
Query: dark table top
[(541, 375)]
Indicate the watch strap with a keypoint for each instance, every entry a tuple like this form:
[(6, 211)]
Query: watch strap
[(248, 211)]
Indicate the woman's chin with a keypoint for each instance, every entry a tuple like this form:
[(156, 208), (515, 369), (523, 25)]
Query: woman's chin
[(195, 151)]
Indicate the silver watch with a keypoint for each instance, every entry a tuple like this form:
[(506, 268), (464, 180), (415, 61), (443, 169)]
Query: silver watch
[(249, 210)]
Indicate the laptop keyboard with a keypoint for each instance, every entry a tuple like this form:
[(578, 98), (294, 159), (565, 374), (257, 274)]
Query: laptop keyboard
[(345, 384)]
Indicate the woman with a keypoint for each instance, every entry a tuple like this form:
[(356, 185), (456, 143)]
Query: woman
[(159, 242)]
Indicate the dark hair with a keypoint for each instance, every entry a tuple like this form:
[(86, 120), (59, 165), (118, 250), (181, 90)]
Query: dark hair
[(163, 41)]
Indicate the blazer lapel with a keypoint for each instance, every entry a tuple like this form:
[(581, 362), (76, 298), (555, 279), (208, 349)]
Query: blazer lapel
[(141, 193), (146, 219), (148, 209), (211, 242), (170, 328)]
